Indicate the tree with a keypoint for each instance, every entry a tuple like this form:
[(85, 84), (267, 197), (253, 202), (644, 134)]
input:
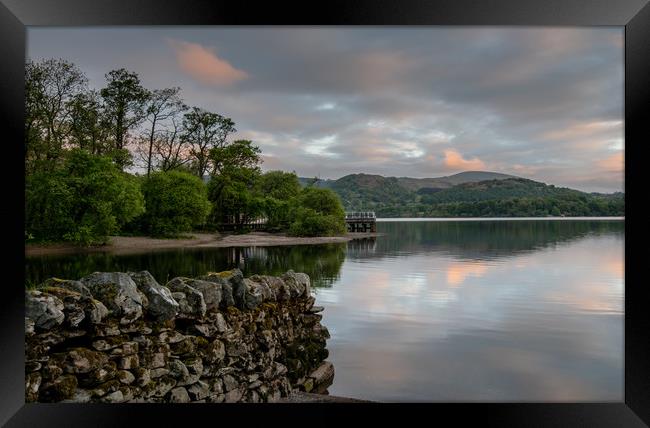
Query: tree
[(204, 131), (279, 185), (170, 149), (317, 212), (84, 200), (87, 130), (49, 85), (176, 202), (236, 162), (125, 101), (163, 105)]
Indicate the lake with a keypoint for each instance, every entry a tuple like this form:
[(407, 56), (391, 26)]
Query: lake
[(485, 310)]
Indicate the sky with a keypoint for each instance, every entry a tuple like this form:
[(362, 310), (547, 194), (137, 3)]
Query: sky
[(544, 103)]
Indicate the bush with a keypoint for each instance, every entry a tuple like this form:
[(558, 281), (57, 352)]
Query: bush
[(317, 212), (83, 200), (176, 202)]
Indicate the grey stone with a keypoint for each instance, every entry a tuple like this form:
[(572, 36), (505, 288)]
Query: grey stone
[(229, 382), (161, 303), (118, 292), (46, 311), (113, 397), (179, 395), (211, 292), (29, 326), (126, 377), (234, 396), (198, 391), (190, 300), (299, 284), (83, 360), (76, 286), (155, 373)]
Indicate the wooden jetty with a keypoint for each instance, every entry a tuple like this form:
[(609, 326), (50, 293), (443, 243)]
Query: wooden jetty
[(361, 221)]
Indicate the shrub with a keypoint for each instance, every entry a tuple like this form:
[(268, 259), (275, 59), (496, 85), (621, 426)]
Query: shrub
[(175, 201), (83, 200)]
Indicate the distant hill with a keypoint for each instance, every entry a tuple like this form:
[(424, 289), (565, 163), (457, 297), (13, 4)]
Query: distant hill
[(471, 193)]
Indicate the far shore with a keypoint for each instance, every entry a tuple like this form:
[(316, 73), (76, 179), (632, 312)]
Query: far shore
[(138, 244)]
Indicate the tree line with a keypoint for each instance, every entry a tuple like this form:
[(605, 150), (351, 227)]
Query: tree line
[(81, 143)]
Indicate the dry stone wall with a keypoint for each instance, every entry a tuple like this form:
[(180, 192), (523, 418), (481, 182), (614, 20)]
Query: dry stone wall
[(122, 337)]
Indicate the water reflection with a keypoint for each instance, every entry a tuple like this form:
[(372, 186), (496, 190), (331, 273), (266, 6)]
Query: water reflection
[(444, 311), (454, 312), (321, 262)]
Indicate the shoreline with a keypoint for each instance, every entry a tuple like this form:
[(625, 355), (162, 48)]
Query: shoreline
[(140, 244)]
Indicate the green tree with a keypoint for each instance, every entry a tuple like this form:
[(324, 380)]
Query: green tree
[(176, 202), (49, 86), (87, 130), (125, 100), (279, 185), (204, 131), (317, 212), (85, 200), (163, 105)]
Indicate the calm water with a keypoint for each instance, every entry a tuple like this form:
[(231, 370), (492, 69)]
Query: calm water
[(444, 311)]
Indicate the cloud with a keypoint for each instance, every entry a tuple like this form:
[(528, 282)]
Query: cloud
[(455, 161), (204, 65), (614, 163)]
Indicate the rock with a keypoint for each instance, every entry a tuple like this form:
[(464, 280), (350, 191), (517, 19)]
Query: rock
[(79, 396), (298, 283), (198, 391), (232, 279), (162, 305), (323, 376), (76, 286), (155, 373), (211, 292), (29, 326), (171, 337), (224, 286), (83, 360), (118, 292), (113, 397), (142, 376), (220, 323), (32, 385), (129, 362), (179, 395), (190, 300), (61, 388), (234, 396), (180, 372), (161, 387), (125, 377), (229, 382), (316, 309), (46, 311)]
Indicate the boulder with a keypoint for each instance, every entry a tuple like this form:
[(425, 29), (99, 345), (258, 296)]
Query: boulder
[(179, 395), (190, 300), (298, 283), (220, 279), (235, 280), (211, 292), (45, 310), (76, 286), (118, 292), (162, 305)]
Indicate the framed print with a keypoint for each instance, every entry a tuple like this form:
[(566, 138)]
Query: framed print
[(371, 207)]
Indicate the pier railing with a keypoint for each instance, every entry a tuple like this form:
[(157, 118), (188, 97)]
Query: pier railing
[(360, 215)]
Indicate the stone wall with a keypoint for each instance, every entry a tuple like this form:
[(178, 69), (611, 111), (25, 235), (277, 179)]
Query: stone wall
[(122, 337)]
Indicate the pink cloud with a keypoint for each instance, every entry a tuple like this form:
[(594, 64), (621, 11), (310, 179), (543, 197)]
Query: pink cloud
[(204, 65), (455, 161), (613, 163)]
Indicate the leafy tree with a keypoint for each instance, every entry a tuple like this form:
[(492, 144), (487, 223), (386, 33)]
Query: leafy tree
[(125, 101), (49, 85), (204, 131), (87, 130), (279, 185), (176, 202), (163, 105), (85, 200), (318, 212)]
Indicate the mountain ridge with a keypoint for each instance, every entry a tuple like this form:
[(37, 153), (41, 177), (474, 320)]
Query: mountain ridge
[(468, 193)]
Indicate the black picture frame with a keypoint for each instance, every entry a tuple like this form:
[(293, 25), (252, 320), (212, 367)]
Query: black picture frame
[(16, 15)]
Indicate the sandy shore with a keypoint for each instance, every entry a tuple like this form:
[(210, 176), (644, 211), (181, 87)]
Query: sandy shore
[(137, 244)]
